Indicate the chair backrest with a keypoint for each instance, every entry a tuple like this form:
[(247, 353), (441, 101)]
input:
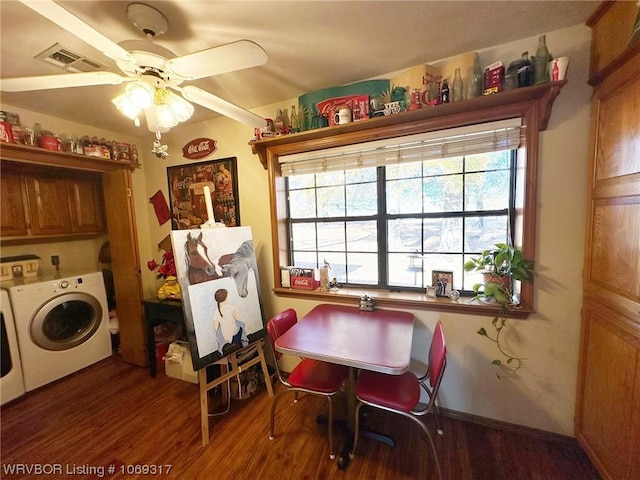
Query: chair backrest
[(437, 357), (278, 325)]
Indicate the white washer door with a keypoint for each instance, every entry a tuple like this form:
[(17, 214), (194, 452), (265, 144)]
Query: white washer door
[(66, 321)]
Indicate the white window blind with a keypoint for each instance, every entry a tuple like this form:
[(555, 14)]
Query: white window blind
[(454, 142)]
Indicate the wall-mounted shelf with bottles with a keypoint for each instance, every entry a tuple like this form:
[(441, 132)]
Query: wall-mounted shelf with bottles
[(15, 152)]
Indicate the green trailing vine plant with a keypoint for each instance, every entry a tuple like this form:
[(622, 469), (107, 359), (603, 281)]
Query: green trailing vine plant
[(501, 266)]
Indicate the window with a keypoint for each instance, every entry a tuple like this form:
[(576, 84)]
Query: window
[(425, 132), (385, 214), (390, 226)]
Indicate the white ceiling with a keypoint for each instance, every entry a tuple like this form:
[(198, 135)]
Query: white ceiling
[(310, 44)]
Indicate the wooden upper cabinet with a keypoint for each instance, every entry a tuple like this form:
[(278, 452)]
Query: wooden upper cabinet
[(48, 205), (12, 213), (611, 27), (87, 205), (618, 142), (49, 202)]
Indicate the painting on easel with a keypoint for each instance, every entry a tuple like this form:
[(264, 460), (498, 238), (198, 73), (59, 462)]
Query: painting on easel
[(218, 276)]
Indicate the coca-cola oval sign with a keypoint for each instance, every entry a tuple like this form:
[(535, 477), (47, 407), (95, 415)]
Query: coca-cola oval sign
[(199, 148)]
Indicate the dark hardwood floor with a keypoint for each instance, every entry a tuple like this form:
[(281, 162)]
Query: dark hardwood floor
[(113, 413)]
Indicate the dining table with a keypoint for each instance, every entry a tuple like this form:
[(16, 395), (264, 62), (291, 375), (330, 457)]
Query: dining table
[(378, 340)]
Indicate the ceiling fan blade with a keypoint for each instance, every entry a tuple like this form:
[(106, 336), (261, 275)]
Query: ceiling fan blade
[(217, 104), (45, 82), (214, 61), (72, 24)]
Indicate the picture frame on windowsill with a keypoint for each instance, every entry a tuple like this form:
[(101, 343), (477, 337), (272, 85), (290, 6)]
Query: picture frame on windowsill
[(443, 281)]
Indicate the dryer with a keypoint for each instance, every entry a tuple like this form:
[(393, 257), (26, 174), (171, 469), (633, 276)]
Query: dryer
[(11, 382), (62, 325)]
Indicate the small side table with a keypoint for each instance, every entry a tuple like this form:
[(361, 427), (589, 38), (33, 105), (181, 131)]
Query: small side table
[(157, 312)]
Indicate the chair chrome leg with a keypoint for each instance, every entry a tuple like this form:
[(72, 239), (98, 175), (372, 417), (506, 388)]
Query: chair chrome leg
[(433, 446), (435, 414), (435, 457)]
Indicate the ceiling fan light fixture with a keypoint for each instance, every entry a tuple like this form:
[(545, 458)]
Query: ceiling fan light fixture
[(165, 117), (140, 94), (125, 107), (151, 116), (179, 107)]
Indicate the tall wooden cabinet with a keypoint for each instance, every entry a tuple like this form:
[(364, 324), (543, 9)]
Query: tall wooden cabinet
[(608, 394)]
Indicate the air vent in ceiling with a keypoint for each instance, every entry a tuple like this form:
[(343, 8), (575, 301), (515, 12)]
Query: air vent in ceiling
[(67, 59)]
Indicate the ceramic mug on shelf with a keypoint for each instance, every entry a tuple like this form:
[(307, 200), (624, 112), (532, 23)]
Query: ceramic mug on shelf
[(342, 116)]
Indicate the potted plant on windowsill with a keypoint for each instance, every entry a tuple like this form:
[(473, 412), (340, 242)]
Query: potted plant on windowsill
[(501, 266)]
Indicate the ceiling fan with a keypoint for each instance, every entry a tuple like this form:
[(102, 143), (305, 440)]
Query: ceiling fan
[(151, 72)]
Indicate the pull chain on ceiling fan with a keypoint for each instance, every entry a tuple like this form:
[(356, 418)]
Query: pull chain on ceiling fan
[(150, 71)]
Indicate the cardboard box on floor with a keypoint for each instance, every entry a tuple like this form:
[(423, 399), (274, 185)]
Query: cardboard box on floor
[(177, 363)]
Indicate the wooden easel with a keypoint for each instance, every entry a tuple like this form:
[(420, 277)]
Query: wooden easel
[(224, 377)]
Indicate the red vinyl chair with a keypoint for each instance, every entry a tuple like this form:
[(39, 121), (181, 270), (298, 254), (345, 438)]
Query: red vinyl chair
[(401, 393), (309, 376)]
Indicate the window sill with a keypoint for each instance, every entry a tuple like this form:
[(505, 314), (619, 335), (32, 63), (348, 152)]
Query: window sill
[(408, 300)]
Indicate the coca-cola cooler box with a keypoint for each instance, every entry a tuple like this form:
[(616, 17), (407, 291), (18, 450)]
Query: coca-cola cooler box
[(310, 103), (304, 278)]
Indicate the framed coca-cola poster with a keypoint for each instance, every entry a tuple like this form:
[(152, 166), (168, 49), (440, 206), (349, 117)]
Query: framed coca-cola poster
[(189, 186)]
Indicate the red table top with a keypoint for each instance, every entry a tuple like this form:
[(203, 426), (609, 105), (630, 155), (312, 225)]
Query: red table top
[(378, 340)]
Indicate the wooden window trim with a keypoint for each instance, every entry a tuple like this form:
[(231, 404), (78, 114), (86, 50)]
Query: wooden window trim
[(532, 104)]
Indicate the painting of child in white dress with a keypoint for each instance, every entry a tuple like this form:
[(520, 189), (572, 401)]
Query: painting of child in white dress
[(217, 272), (229, 328)]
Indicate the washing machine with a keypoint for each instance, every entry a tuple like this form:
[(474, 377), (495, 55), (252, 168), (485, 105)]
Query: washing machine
[(62, 324), (11, 382)]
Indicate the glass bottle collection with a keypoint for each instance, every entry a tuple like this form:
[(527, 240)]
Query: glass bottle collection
[(37, 136), (90, 146), (524, 72)]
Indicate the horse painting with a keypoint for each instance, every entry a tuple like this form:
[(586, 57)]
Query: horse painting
[(200, 267), (239, 265), (210, 261)]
